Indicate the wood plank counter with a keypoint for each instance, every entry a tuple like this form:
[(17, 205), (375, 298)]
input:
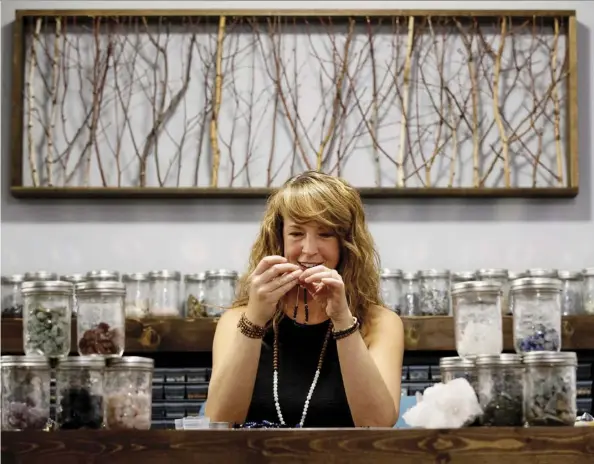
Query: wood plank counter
[(543, 445)]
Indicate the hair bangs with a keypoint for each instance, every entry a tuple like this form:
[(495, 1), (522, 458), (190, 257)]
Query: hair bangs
[(304, 205)]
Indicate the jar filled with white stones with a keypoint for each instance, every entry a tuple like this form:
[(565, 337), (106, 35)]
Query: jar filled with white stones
[(435, 292), (410, 294), (128, 393), (47, 316), (220, 291), (165, 297), (550, 388), (195, 289), (537, 314), (391, 289), (501, 276), (477, 316), (572, 293), (25, 392), (137, 294), (589, 290)]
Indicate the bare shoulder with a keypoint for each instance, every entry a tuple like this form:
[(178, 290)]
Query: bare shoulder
[(384, 323), (231, 315)]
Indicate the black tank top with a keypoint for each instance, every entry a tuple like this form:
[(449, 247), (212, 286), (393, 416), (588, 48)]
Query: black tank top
[(299, 352)]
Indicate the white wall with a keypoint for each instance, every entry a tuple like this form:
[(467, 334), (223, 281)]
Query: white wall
[(191, 235)]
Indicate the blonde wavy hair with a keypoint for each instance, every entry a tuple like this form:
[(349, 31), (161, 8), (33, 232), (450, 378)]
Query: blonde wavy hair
[(332, 202)]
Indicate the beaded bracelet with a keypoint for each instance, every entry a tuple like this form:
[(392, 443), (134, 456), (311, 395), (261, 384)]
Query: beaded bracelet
[(249, 329), (346, 332)]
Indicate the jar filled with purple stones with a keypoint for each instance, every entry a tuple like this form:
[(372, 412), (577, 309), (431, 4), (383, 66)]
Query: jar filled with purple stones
[(25, 392), (220, 291), (500, 276), (103, 275), (101, 320), (455, 367), (79, 393), (550, 388), (434, 292), (47, 318), (137, 294), (537, 314), (12, 301), (165, 296), (391, 289), (410, 294), (128, 393), (477, 317), (501, 389), (511, 277), (195, 287), (572, 292), (589, 290), (74, 279)]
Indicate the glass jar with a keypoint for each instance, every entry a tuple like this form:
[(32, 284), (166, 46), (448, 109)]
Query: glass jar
[(454, 368), (435, 293), (101, 321), (391, 289), (220, 291), (25, 392), (550, 389), (128, 393), (39, 276), (511, 277), (47, 318), (165, 294), (12, 300), (501, 389), (572, 292), (195, 286), (477, 317), (463, 276), (74, 279), (410, 294), (589, 290), (537, 314), (501, 276), (137, 294), (102, 275), (79, 393), (539, 272)]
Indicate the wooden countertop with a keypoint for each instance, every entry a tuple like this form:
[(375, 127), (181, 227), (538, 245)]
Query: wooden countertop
[(543, 445), (196, 335)]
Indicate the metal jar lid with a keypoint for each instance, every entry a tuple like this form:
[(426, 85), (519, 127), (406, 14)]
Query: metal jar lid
[(571, 275), (517, 275), (131, 362), (391, 273), (194, 278), (104, 287), (589, 272), (103, 274), (493, 273), (464, 275), (485, 286), (410, 276), (74, 278), (40, 275), (456, 362), (135, 277), (565, 358), (164, 275), (538, 272), (435, 273), (47, 286), (536, 283), (24, 361), (504, 359), (82, 361), (13, 279), (221, 274)]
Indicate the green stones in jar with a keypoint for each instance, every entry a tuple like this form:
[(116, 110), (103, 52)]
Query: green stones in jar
[(47, 314), (435, 292), (195, 288)]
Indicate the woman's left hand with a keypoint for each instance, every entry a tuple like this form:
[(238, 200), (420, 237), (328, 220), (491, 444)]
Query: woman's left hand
[(327, 288)]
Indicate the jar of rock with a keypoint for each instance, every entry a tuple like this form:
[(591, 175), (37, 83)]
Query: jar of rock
[(80, 393), (391, 289), (128, 390), (12, 301), (572, 292), (589, 290), (74, 279), (435, 292), (137, 294), (195, 287), (220, 291), (165, 298), (500, 276), (411, 294), (47, 316), (25, 392), (101, 321)]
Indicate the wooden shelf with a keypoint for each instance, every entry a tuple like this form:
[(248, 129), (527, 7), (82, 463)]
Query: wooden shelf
[(487, 445), (196, 335)]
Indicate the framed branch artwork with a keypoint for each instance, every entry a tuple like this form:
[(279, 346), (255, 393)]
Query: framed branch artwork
[(115, 103)]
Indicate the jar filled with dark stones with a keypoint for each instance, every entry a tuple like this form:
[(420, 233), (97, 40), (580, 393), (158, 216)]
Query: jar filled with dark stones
[(435, 292), (25, 392), (47, 316), (537, 314), (410, 294), (12, 301), (79, 393), (220, 291), (455, 367), (550, 389), (572, 293), (195, 288), (501, 389), (101, 319), (391, 289), (128, 393)]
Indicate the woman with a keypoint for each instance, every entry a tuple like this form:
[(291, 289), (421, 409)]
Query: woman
[(307, 343)]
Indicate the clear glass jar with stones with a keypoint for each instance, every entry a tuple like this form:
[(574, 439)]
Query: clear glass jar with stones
[(501, 276), (39, 276), (391, 289), (80, 393), (12, 300), (101, 320), (195, 289), (550, 388), (572, 292), (165, 297), (47, 318), (137, 294), (220, 291), (410, 294), (501, 389), (455, 367), (434, 292), (589, 290), (537, 314), (103, 275), (74, 279), (477, 318), (512, 275), (25, 392), (128, 393)]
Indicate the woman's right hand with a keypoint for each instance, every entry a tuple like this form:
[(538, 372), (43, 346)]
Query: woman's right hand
[(273, 277)]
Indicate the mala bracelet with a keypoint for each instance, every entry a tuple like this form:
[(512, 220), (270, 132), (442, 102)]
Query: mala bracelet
[(338, 334), (249, 329)]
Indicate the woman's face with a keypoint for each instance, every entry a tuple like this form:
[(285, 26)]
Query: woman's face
[(310, 244)]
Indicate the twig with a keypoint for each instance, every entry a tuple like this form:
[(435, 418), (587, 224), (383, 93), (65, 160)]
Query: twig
[(31, 100), (214, 135), (496, 109), (556, 106), (405, 102)]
